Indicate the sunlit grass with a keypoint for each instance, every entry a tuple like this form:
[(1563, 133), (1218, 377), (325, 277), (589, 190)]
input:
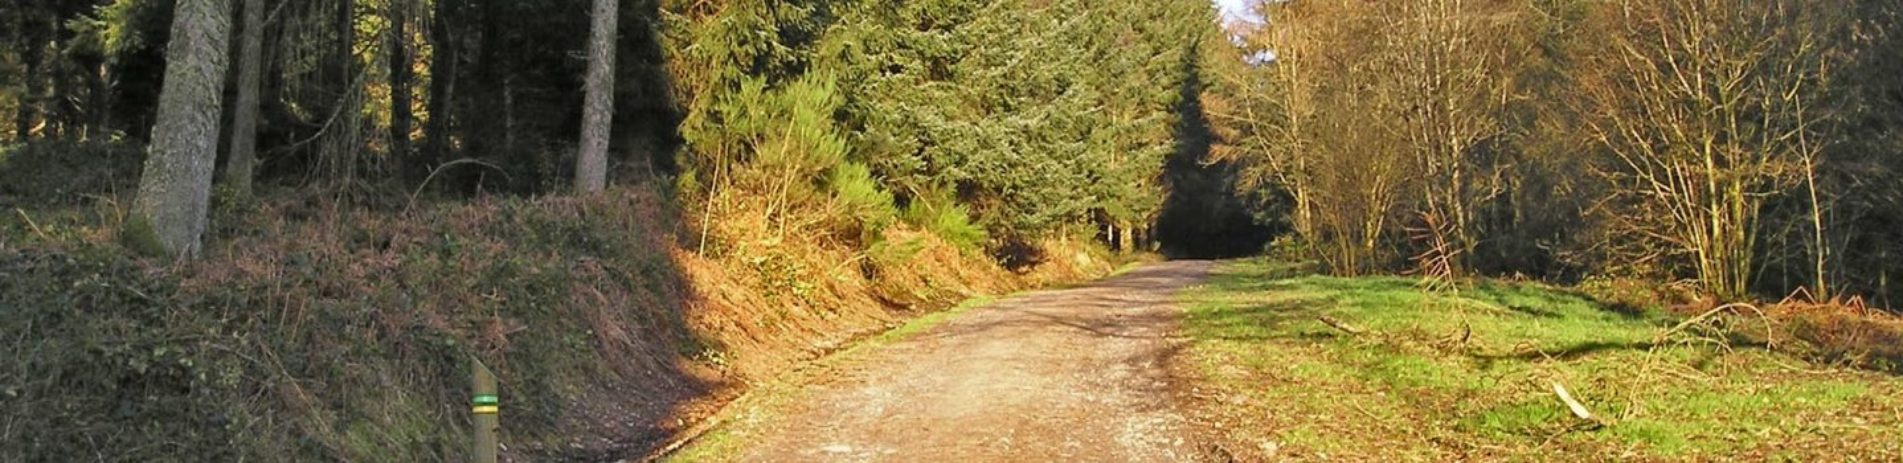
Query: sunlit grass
[(1469, 373)]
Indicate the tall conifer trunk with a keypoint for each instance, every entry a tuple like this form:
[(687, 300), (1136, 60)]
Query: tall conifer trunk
[(400, 82), (244, 126), (442, 83), (30, 53), (170, 214), (591, 166)]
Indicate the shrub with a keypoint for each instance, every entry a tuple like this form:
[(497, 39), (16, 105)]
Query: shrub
[(64, 173), (941, 215), (1840, 331), (864, 200)]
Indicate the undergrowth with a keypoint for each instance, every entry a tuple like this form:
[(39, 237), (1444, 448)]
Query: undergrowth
[(346, 337), (315, 329), (67, 173)]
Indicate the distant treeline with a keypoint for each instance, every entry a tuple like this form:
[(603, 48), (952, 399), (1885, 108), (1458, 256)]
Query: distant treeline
[(1748, 147)]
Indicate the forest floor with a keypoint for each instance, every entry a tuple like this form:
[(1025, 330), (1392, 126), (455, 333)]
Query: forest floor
[(1074, 374)]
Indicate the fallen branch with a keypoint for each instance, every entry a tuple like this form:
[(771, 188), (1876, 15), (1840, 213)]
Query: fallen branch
[(1579, 409), (30, 225), (1340, 325), (446, 165)]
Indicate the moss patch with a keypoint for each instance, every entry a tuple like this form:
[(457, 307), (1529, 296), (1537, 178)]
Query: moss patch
[(138, 236)]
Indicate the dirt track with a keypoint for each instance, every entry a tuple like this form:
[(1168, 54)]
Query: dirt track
[(1078, 374)]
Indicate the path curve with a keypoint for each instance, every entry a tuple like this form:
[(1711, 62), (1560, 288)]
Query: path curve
[(1079, 374)]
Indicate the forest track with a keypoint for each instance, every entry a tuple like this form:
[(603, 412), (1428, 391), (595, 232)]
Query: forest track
[(1076, 374)]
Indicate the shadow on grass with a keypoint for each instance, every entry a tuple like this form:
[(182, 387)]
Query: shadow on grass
[(1536, 299), (1306, 297), (1565, 354), (1265, 322)]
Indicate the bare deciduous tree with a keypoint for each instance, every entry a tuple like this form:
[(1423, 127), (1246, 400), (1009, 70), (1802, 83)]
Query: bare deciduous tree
[(1707, 106), (1449, 81)]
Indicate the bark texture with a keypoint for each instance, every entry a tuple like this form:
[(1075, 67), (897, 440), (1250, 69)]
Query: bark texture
[(400, 115), (591, 166), (244, 126), (442, 86), (30, 55), (175, 190)]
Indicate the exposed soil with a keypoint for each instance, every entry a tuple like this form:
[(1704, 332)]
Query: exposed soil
[(1080, 374)]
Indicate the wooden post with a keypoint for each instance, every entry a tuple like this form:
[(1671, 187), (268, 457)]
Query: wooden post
[(485, 405)]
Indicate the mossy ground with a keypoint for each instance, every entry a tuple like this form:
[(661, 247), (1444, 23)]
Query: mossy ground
[(1280, 383)]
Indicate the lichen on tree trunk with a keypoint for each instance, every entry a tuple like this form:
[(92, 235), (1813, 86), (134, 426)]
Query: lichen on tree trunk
[(591, 166), (175, 190)]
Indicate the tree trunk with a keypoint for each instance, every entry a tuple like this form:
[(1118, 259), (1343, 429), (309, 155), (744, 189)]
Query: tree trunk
[(340, 151), (400, 84), (591, 166), (1883, 280), (101, 100), (55, 116), (30, 53), (1126, 242), (442, 73), (508, 113), (244, 126), (170, 214)]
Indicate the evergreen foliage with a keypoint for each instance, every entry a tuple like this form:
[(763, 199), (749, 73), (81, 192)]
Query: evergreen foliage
[(1040, 118), (1034, 116)]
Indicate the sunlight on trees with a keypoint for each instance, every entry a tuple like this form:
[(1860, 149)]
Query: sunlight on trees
[(1696, 139)]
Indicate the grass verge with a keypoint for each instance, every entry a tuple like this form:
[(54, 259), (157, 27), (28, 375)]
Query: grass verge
[(1469, 375)]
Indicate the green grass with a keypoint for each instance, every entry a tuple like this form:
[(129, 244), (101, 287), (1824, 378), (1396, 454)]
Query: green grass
[(1411, 387)]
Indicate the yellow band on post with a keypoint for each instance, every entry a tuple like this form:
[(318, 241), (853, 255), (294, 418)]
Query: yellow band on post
[(486, 409)]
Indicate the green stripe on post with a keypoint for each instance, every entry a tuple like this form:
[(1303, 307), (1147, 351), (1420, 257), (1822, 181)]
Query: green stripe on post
[(485, 400), (485, 418)]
